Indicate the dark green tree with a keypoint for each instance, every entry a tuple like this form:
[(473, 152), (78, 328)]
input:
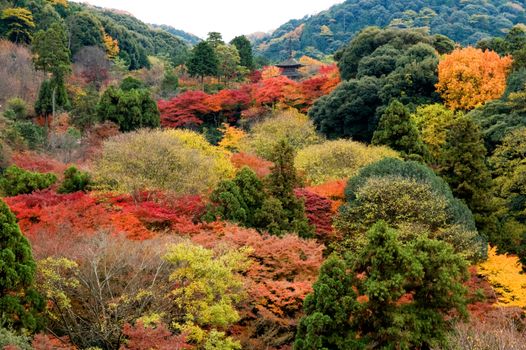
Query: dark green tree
[(51, 53), (203, 61), (130, 110), (84, 30), (15, 181), (74, 181), (52, 97), (244, 47), (131, 83), (401, 294), (238, 200), (281, 183), (326, 324), (20, 304), (215, 39), (397, 131), (350, 110), (463, 165)]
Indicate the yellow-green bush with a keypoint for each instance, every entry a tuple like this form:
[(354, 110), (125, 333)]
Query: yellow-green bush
[(334, 160), (178, 161), (289, 124)]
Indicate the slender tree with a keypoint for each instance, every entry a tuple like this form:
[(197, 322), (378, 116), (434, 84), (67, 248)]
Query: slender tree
[(203, 61), (244, 47), (20, 304)]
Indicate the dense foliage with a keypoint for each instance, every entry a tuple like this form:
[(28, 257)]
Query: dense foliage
[(324, 33)]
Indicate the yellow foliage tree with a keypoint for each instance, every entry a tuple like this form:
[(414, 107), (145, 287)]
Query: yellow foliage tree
[(232, 137), (111, 45), (270, 72), (340, 159), (504, 274), (469, 77)]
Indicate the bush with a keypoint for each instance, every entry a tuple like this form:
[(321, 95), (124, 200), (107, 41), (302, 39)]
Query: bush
[(74, 181), (178, 161), (16, 109), (33, 134), (290, 125), (334, 160), (15, 181), (9, 339)]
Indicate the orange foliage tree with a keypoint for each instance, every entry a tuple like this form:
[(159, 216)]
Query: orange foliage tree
[(469, 77)]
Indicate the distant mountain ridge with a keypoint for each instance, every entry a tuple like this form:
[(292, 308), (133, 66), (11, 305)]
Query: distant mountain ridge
[(465, 21)]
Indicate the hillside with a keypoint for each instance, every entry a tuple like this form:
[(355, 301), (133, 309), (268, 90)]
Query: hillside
[(181, 34), (463, 21)]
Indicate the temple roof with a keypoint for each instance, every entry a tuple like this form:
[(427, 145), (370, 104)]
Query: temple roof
[(291, 62)]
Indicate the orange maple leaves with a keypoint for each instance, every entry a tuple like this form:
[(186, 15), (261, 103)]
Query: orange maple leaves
[(469, 77)]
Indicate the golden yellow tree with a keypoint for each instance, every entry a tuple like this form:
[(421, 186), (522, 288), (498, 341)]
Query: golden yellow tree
[(111, 45), (504, 274), (469, 77), (232, 137)]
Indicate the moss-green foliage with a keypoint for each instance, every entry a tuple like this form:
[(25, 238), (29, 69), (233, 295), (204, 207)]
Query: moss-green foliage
[(409, 197), (15, 181), (74, 181), (84, 30), (338, 159), (361, 295), (20, 305), (509, 171), (7, 337), (500, 117), (319, 35), (17, 25), (397, 131), (297, 128), (130, 109), (33, 135), (462, 164), (16, 109)]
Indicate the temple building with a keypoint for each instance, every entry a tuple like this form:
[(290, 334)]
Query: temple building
[(290, 68)]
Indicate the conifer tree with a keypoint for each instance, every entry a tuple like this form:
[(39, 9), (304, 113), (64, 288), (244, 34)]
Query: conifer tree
[(244, 47), (463, 165), (281, 183), (203, 61), (397, 131), (388, 293), (20, 304)]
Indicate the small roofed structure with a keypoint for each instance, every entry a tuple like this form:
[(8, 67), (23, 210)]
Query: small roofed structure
[(290, 68)]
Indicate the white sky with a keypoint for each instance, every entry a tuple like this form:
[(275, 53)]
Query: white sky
[(230, 17)]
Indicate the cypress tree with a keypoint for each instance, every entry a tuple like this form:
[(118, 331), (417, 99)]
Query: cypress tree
[(463, 165), (397, 131), (20, 304)]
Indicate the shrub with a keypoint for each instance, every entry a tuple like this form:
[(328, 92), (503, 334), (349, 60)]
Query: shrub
[(290, 125), (177, 161), (334, 160), (15, 181), (74, 181), (16, 109)]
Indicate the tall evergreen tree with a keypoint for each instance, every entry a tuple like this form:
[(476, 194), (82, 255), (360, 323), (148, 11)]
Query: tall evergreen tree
[(203, 61), (463, 165), (244, 47), (283, 210), (20, 304), (388, 293), (397, 131)]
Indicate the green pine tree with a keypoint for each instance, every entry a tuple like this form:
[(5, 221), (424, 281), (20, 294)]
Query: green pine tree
[(397, 131), (203, 61), (20, 304), (281, 183), (463, 165), (244, 47), (388, 293)]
